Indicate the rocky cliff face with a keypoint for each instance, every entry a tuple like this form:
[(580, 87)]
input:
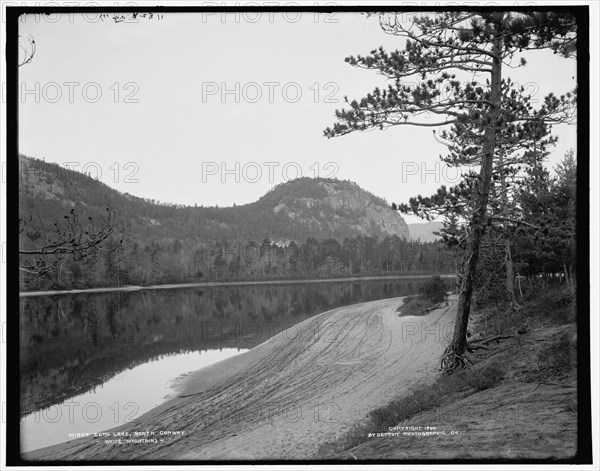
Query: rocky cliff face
[(340, 208)]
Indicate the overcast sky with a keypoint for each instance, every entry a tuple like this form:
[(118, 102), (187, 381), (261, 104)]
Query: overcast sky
[(160, 107)]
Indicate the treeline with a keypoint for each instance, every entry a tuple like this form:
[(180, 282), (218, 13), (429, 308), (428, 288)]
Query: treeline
[(134, 263), (539, 239)]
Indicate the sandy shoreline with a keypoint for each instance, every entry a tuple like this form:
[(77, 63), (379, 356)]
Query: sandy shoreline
[(221, 283), (283, 398)]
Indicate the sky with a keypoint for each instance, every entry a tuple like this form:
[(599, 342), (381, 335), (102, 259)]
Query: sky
[(214, 109)]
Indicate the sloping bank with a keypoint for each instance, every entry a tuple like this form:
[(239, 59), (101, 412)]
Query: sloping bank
[(308, 384)]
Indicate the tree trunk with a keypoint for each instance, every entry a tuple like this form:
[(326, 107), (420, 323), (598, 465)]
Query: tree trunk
[(454, 354), (457, 268), (510, 278), (510, 272), (568, 269), (118, 269), (566, 272)]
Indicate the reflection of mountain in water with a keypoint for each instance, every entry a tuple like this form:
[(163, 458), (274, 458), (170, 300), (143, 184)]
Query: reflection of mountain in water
[(71, 343)]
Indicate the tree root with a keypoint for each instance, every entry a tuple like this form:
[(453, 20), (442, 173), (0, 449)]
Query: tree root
[(452, 361), (487, 341), (471, 348)]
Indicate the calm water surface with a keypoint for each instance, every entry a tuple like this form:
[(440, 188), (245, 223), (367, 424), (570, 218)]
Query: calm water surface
[(93, 361)]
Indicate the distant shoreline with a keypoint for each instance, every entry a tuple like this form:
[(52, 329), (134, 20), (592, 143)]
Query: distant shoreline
[(223, 283)]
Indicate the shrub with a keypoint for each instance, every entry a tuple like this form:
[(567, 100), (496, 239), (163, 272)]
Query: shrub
[(431, 293), (434, 290)]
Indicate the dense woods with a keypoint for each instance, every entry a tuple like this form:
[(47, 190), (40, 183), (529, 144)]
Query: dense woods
[(157, 263)]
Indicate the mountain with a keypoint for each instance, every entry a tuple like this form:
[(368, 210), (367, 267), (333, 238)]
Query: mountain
[(303, 229), (292, 211), (332, 208), (425, 231)]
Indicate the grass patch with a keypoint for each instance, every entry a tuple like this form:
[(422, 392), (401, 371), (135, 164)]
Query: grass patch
[(429, 397), (559, 357), (422, 399), (546, 308), (555, 359), (554, 306)]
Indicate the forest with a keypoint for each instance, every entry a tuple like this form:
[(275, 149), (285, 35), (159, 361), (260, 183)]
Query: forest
[(506, 209), (156, 263)]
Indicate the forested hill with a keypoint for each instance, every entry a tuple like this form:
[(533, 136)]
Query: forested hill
[(295, 210), (304, 228)]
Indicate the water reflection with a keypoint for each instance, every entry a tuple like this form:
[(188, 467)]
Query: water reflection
[(115, 402), (72, 343)]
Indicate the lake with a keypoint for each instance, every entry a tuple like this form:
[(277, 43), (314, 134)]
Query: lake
[(93, 361)]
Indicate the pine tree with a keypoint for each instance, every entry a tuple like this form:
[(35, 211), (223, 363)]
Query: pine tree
[(477, 44)]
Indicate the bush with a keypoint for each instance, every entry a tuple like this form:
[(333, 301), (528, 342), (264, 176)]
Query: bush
[(414, 306), (431, 293), (434, 290)]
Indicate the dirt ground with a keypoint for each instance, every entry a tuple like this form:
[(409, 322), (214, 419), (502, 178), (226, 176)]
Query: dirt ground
[(512, 421), (308, 384), (521, 418)]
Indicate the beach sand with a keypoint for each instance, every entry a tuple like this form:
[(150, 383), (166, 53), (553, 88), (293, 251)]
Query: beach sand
[(282, 399)]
